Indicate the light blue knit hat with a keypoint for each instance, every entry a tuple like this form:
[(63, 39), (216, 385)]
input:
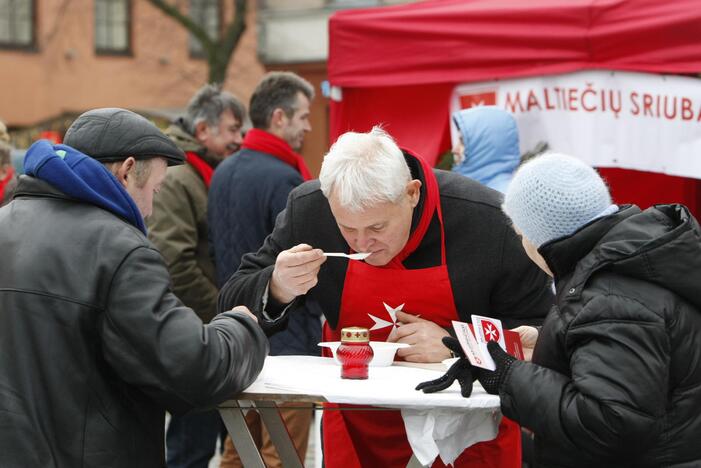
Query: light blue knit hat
[(553, 195)]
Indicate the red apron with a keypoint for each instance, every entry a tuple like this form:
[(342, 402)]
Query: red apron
[(370, 295)]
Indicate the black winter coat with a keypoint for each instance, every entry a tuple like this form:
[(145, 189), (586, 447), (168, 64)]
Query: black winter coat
[(618, 375), (94, 346), (489, 271), (248, 191)]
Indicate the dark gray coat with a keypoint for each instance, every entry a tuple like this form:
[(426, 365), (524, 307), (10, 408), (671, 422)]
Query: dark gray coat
[(241, 214), (489, 271), (94, 346), (619, 377)]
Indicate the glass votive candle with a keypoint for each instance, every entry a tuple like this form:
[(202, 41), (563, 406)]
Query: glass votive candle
[(354, 353)]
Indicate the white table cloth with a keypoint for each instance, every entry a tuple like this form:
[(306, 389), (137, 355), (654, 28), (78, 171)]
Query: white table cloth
[(442, 423)]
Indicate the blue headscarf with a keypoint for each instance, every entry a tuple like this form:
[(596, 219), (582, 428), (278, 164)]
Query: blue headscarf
[(491, 144), (81, 177)]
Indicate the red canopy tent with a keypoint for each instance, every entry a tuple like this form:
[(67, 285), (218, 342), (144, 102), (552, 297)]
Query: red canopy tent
[(398, 65)]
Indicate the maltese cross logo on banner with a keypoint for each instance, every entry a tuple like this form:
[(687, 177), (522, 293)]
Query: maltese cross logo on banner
[(381, 323)]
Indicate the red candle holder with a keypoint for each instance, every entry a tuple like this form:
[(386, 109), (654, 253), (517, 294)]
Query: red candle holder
[(354, 353)]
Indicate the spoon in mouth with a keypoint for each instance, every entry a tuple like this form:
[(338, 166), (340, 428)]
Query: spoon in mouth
[(353, 256)]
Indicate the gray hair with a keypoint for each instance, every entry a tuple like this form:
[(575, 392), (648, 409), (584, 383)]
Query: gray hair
[(208, 104), (364, 169), (277, 90), (5, 153), (142, 170)]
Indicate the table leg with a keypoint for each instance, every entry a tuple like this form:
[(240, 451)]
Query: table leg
[(241, 437), (270, 415)]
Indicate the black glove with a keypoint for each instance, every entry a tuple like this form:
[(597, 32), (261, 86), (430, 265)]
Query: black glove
[(460, 371), (492, 380)]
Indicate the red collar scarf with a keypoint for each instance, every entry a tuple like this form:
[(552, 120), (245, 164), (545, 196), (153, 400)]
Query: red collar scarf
[(265, 142), (204, 169)]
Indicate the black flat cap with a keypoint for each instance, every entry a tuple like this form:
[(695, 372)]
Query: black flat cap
[(113, 134)]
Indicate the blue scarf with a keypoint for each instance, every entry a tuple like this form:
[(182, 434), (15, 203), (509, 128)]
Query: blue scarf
[(83, 178)]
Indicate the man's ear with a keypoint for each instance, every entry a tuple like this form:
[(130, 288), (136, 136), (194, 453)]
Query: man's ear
[(413, 191), (126, 170), (277, 119), (201, 131)]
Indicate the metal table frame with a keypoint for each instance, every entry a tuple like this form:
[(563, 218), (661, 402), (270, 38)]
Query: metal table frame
[(233, 411)]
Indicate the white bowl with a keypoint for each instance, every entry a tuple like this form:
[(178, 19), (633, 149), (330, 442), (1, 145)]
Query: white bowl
[(383, 352)]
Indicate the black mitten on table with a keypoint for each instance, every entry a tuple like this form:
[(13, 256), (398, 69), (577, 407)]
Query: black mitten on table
[(461, 371)]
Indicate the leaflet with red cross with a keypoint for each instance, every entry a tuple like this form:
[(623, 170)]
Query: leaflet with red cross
[(474, 337)]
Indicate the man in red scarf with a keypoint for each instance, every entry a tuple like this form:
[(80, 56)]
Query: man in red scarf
[(248, 191), (209, 132), (440, 250)]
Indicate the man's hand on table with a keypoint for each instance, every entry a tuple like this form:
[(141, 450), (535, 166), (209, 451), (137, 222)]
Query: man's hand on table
[(244, 310), (424, 337), (295, 272)]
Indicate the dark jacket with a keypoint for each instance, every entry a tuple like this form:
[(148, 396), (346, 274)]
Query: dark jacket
[(94, 346), (489, 271), (178, 228), (618, 380), (248, 191)]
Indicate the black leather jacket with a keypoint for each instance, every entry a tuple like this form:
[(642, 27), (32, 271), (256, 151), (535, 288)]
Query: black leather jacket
[(94, 346), (619, 377)]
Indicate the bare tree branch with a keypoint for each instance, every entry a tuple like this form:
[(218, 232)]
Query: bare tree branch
[(235, 30), (221, 55), (187, 22), (218, 51), (57, 21)]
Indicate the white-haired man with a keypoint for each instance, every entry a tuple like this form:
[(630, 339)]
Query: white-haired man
[(441, 250)]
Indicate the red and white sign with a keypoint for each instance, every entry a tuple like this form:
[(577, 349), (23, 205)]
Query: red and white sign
[(474, 337), (477, 97), (609, 119)]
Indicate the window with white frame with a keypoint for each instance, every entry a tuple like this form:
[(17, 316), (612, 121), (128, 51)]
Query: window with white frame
[(16, 23), (112, 26)]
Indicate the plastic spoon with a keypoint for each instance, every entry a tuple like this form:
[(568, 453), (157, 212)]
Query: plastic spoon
[(353, 256)]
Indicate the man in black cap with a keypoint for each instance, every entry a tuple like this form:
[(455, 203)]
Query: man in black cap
[(94, 346)]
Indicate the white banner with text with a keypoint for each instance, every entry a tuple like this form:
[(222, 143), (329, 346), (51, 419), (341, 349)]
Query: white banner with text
[(609, 119)]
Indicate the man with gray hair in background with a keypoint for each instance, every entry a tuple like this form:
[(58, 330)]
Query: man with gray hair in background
[(8, 177), (248, 191), (440, 249), (209, 132)]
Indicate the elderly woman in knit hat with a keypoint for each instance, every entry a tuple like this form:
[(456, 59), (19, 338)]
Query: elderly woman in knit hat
[(615, 377)]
